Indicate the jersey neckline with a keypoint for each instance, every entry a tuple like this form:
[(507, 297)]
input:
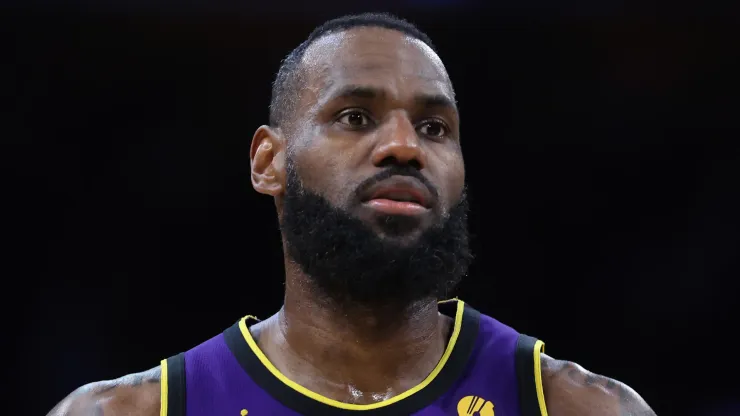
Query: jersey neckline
[(304, 401)]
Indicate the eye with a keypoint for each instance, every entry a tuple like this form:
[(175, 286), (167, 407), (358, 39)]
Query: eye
[(433, 128), (354, 119)]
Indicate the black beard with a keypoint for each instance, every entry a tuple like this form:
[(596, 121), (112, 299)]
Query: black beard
[(352, 265)]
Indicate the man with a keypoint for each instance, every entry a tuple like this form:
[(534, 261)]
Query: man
[(363, 159)]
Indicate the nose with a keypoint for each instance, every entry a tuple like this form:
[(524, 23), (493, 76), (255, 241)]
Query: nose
[(398, 143)]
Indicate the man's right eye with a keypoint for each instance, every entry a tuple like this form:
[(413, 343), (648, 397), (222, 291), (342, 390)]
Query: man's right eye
[(354, 119)]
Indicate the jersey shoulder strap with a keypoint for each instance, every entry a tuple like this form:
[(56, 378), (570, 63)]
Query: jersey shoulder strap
[(529, 375), (172, 386)]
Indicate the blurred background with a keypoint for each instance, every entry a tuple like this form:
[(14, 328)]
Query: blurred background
[(601, 143)]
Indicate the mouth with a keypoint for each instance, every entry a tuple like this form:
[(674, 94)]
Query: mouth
[(399, 195), (406, 201)]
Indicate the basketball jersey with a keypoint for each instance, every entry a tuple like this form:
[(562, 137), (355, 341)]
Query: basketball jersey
[(486, 369)]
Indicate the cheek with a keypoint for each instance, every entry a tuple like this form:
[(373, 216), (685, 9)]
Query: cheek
[(452, 172), (323, 174), (457, 185)]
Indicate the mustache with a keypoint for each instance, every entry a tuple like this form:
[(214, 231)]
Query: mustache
[(397, 170)]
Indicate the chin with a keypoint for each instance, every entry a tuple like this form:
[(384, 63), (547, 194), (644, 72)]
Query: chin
[(399, 229)]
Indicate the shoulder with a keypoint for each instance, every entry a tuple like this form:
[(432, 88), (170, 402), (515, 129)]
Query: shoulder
[(132, 395), (574, 391)]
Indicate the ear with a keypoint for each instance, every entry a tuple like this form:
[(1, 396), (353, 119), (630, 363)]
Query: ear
[(267, 158)]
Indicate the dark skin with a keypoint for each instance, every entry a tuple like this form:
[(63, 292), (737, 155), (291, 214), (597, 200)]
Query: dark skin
[(372, 96)]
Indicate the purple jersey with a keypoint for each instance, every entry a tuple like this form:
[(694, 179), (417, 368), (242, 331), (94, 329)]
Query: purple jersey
[(486, 368)]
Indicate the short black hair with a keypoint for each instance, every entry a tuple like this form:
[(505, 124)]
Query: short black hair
[(287, 82)]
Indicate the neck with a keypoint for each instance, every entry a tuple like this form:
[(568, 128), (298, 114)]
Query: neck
[(359, 346)]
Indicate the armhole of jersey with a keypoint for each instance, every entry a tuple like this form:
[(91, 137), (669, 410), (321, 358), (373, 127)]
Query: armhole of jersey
[(172, 386), (529, 375)]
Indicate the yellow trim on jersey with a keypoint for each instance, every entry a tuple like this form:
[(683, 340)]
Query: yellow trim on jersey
[(163, 391), (539, 348), (348, 406)]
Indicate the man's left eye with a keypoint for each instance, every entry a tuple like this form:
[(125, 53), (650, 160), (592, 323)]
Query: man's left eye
[(433, 129)]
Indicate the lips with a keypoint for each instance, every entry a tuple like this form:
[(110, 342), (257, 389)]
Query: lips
[(399, 195)]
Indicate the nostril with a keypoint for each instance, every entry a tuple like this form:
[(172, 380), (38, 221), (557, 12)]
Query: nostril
[(415, 164), (393, 161), (388, 161)]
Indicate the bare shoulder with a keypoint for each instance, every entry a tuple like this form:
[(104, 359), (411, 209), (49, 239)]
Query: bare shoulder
[(132, 395), (574, 391)]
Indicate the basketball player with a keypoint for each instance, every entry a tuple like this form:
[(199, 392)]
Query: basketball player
[(363, 159)]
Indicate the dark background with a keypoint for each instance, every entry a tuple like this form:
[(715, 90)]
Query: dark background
[(602, 157)]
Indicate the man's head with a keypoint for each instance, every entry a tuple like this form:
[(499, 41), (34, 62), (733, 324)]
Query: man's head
[(363, 158)]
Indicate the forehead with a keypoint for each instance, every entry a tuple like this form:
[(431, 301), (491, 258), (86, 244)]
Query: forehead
[(376, 57)]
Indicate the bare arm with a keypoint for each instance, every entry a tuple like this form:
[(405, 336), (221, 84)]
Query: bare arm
[(132, 395), (571, 390)]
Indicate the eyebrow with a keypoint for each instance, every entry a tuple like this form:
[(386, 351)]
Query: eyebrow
[(435, 101), (368, 93)]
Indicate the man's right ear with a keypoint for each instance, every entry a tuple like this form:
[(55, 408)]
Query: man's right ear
[(267, 157)]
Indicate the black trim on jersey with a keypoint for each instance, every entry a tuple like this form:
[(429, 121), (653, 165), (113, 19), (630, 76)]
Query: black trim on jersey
[(176, 385), (305, 405), (528, 402)]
